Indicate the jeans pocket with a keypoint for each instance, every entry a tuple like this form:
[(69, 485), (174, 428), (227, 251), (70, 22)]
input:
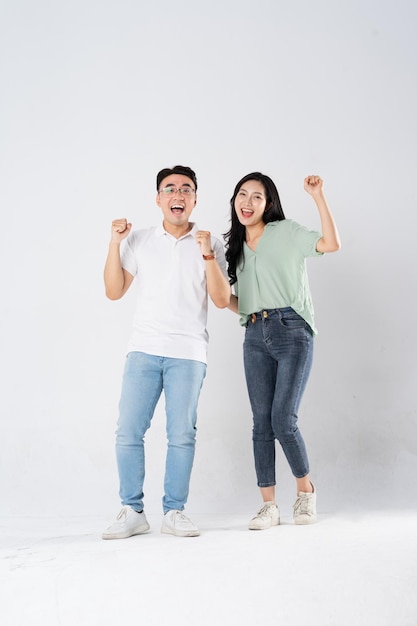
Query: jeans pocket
[(291, 320)]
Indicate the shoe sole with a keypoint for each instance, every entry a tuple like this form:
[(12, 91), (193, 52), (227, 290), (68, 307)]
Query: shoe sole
[(305, 521), (139, 530), (180, 533), (253, 527)]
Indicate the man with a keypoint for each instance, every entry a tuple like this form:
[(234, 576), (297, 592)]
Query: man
[(176, 266)]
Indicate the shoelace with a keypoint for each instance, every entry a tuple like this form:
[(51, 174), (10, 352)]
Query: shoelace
[(263, 511), (123, 513), (181, 516), (302, 506)]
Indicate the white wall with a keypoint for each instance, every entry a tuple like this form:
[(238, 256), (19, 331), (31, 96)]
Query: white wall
[(96, 97)]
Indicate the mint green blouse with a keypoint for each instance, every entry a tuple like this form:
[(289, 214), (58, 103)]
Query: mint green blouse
[(275, 275)]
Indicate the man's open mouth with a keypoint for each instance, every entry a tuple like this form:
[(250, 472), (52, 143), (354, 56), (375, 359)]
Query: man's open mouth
[(177, 208)]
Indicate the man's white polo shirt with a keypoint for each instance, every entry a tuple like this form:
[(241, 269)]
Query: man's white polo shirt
[(171, 308)]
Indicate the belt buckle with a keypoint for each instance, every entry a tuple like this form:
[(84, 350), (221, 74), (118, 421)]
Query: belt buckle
[(253, 317)]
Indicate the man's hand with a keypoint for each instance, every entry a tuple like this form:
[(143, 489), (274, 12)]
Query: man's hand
[(119, 230), (203, 238)]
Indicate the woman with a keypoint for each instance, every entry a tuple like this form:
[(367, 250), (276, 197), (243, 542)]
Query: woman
[(266, 262)]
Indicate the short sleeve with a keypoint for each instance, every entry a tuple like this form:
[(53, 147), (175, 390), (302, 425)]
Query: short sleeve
[(306, 239), (128, 257), (220, 256)]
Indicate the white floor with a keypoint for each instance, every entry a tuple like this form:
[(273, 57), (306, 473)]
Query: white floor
[(341, 571)]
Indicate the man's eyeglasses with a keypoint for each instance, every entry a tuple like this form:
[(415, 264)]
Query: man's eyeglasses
[(171, 191)]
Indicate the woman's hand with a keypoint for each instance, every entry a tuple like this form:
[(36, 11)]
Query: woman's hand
[(313, 185)]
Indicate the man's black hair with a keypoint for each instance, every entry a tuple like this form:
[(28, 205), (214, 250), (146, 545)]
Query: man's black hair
[(177, 169)]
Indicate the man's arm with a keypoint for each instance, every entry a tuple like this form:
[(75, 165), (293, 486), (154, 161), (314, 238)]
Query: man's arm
[(217, 284), (117, 280), (234, 304)]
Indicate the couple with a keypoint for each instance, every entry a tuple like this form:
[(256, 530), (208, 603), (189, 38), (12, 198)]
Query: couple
[(177, 268)]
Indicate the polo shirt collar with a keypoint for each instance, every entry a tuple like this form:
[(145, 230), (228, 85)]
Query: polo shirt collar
[(160, 230)]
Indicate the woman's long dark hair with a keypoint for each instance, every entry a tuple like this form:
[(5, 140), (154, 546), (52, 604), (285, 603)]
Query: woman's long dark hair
[(235, 237)]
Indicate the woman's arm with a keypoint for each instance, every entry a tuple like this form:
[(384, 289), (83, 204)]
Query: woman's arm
[(330, 241)]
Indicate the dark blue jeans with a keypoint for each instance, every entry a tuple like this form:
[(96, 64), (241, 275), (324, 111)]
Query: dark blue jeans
[(278, 353)]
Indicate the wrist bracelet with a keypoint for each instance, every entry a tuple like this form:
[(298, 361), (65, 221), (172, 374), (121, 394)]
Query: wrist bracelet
[(209, 257)]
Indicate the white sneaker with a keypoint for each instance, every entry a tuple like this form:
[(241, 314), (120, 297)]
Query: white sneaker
[(305, 507), (266, 517), (178, 524), (129, 522)]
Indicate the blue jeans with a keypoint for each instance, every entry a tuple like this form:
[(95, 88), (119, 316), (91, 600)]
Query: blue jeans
[(278, 353), (144, 378)]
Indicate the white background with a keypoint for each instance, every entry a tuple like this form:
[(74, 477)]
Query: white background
[(96, 97)]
